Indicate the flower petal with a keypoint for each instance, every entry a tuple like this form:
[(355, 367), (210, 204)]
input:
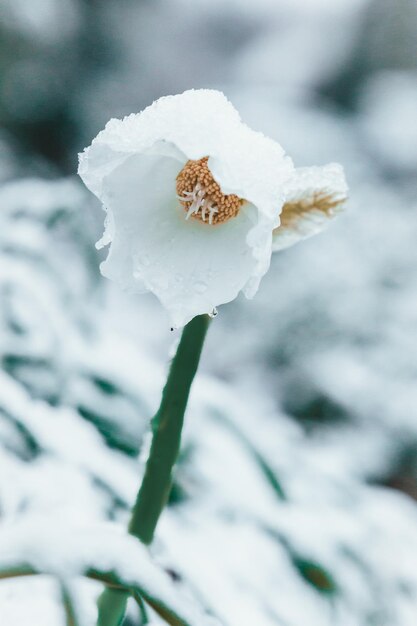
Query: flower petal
[(198, 123), (195, 121), (253, 167), (189, 265), (313, 197), (132, 167), (192, 266)]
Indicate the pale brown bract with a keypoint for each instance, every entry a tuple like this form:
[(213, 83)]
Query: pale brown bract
[(317, 204)]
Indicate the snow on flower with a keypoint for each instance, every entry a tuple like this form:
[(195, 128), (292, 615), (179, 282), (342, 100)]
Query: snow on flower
[(193, 197), (314, 196)]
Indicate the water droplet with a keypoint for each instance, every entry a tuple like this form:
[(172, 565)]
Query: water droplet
[(214, 313), (200, 286)]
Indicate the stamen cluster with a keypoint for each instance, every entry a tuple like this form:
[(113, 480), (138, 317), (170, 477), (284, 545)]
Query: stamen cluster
[(202, 197)]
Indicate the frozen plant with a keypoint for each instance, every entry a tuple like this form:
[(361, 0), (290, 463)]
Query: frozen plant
[(194, 198), (196, 202)]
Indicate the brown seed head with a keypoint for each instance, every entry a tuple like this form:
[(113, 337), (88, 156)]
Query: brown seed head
[(202, 197)]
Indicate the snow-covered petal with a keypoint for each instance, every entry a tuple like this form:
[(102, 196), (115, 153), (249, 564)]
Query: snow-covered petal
[(313, 197), (191, 265), (198, 123)]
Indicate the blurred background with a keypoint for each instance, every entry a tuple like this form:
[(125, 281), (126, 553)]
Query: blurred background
[(295, 495)]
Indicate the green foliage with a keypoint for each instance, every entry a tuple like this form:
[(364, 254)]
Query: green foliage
[(315, 575), (30, 447), (263, 464), (315, 410), (106, 386), (113, 435), (117, 587)]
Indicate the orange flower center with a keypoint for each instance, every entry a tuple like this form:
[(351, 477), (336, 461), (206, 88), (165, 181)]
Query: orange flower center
[(202, 197)]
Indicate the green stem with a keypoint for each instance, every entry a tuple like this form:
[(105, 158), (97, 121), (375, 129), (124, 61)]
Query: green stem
[(166, 427)]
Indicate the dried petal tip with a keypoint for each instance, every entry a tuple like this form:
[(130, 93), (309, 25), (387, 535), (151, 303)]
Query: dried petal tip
[(323, 203), (313, 197), (202, 197)]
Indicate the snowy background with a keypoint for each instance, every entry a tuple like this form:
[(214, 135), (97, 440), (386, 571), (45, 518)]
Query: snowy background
[(294, 500)]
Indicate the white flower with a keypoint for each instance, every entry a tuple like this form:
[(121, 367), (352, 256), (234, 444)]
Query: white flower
[(313, 197), (192, 198)]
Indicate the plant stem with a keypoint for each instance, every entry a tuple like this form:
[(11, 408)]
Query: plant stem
[(166, 427)]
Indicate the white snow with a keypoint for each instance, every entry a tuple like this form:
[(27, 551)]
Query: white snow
[(312, 383)]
